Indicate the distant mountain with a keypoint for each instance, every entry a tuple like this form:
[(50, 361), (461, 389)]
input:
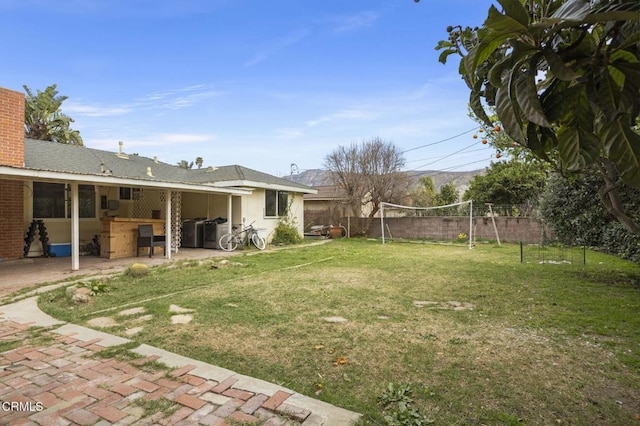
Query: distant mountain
[(319, 177)]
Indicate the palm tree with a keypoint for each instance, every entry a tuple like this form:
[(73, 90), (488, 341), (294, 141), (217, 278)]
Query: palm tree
[(43, 119), (199, 162), (184, 164)]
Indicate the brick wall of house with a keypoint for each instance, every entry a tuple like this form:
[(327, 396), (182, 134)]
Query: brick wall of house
[(11, 219), (11, 191)]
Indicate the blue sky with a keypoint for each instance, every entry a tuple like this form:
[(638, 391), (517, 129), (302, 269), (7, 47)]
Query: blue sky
[(259, 83)]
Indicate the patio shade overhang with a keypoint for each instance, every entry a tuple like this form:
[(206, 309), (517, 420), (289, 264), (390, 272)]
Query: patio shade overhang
[(252, 185), (22, 173)]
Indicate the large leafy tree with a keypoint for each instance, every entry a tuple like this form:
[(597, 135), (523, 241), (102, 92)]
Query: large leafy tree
[(507, 183), (448, 194), (567, 207), (564, 79), (44, 120), (424, 195)]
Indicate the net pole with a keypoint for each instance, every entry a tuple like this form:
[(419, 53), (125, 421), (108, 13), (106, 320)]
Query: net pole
[(470, 224), (382, 220)]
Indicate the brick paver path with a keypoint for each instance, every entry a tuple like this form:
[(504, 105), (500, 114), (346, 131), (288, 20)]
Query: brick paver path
[(50, 379)]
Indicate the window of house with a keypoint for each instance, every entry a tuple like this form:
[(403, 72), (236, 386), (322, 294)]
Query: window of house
[(275, 203), (53, 200), (86, 201), (48, 200), (283, 202), (130, 193), (125, 193)]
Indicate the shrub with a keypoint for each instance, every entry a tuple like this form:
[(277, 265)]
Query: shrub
[(138, 270), (286, 234), (287, 230)]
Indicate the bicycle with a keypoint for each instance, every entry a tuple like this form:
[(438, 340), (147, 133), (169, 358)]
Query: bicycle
[(231, 241)]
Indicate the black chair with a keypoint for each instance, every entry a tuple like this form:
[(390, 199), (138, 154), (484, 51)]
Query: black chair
[(147, 239)]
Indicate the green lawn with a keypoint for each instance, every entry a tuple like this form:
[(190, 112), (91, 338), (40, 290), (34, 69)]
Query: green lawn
[(541, 344)]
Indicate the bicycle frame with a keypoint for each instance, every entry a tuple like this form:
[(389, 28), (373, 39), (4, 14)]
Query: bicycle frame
[(231, 241)]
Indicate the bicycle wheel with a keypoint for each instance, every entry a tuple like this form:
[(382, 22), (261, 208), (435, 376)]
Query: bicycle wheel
[(228, 242), (259, 242)]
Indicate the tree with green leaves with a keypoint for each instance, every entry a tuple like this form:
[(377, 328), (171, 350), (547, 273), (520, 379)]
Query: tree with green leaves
[(43, 119), (567, 207), (184, 164), (424, 195), (512, 182), (564, 79), (448, 194)]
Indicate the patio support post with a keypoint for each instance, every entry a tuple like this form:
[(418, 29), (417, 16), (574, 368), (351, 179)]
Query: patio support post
[(75, 228), (230, 213), (167, 225)]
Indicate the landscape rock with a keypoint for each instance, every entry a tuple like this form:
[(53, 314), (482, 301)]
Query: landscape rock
[(335, 319), (178, 309), (423, 303), (132, 311), (102, 322), (81, 295), (133, 331), (181, 319), (143, 318)]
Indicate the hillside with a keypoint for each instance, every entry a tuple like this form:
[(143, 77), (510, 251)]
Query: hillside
[(319, 177)]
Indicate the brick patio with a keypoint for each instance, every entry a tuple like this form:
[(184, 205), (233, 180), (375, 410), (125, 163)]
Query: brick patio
[(61, 380)]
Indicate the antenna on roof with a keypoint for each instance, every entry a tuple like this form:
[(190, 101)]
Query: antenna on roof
[(294, 169)]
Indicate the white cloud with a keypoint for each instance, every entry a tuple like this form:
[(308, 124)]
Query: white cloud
[(276, 45), (354, 22), (289, 133), (78, 109), (172, 99), (347, 114), (179, 98)]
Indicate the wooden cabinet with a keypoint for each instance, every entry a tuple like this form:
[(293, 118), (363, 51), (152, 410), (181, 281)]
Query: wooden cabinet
[(119, 236)]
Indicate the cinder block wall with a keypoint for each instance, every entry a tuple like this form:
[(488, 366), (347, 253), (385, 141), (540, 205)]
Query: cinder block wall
[(510, 229), (11, 191)]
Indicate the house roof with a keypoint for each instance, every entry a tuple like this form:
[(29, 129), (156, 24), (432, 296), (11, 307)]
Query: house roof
[(74, 159), (327, 193)]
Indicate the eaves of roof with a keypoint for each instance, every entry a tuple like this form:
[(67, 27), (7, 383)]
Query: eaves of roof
[(50, 160)]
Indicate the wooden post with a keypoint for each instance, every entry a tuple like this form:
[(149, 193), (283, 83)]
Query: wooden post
[(493, 220)]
